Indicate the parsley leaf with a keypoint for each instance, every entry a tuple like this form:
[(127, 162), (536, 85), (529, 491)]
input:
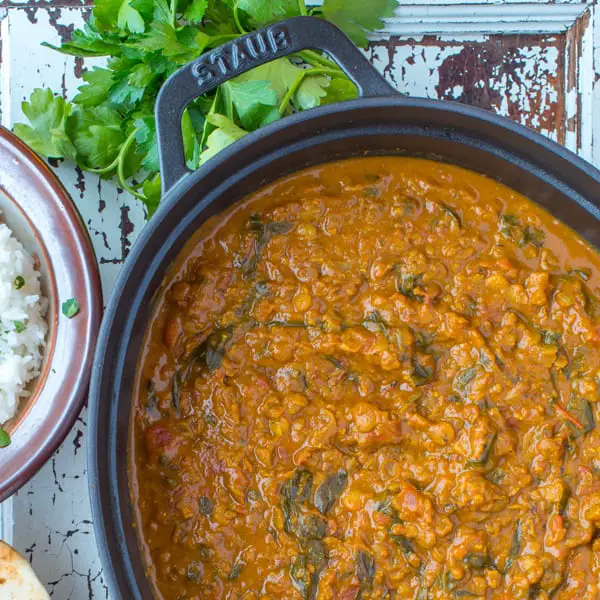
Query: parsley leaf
[(253, 101), (141, 76), (359, 18), (311, 91), (196, 11), (124, 94), (183, 45), (89, 42), (338, 90), (96, 89), (96, 134), (4, 438), (263, 12), (226, 133), (219, 19), (154, 11), (109, 127), (191, 145), (48, 116), (152, 191), (281, 73), (106, 14), (70, 308), (130, 19), (145, 136), (119, 15)]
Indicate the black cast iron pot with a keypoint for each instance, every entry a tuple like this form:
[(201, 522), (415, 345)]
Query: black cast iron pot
[(381, 122)]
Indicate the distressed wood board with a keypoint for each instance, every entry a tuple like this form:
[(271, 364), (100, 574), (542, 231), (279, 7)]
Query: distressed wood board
[(536, 63)]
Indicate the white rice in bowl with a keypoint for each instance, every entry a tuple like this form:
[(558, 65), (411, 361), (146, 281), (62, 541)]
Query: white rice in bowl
[(23, 326)]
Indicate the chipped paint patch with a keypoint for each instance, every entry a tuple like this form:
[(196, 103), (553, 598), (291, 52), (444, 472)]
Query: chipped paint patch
[(581, 76), (517, 76), (413, 66)]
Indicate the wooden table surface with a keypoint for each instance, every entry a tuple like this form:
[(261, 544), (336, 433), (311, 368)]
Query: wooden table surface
[(535, 62)]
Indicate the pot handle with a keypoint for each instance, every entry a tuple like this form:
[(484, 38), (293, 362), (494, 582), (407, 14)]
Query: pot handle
[(236, 57)]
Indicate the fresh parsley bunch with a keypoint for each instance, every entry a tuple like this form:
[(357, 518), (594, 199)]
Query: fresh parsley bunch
[(108, 127)]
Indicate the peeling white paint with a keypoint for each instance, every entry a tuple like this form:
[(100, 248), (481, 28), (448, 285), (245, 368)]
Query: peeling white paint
[(457, 91), (585, 86), (414, 67)]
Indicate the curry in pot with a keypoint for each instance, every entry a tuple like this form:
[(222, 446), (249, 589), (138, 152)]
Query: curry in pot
[(375, 379)]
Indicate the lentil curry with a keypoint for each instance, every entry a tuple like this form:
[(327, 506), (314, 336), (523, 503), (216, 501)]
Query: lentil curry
[(375, 379)]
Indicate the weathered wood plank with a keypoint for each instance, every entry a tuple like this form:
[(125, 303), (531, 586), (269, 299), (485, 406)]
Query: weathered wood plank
[(548, 81), (52, 513)]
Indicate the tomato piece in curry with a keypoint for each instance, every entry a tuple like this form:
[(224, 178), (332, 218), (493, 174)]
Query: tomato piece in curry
[(375, 379)]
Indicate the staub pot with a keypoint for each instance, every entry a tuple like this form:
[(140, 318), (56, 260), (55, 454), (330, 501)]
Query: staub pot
[(380, 122)]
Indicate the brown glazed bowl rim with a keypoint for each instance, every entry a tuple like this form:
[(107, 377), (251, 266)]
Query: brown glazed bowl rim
[(72, 272)]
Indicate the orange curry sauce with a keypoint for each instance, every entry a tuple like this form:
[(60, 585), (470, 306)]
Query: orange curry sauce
[(375, 379)]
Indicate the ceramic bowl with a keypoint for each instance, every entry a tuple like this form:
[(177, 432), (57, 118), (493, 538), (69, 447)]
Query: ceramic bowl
[(39, 211)]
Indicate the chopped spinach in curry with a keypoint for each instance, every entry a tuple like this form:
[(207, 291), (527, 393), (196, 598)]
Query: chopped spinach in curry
[(375, 380)]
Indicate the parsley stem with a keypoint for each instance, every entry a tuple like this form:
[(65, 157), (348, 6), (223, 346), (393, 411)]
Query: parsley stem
[(227, 101), (312, 57), (212, 111), (290, 93), (236, 19), (121, 167), (104, 170), (322, 71), (174, 12), (302, 8)]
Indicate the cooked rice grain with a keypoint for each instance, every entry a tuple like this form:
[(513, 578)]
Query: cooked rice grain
[(23, 327)]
